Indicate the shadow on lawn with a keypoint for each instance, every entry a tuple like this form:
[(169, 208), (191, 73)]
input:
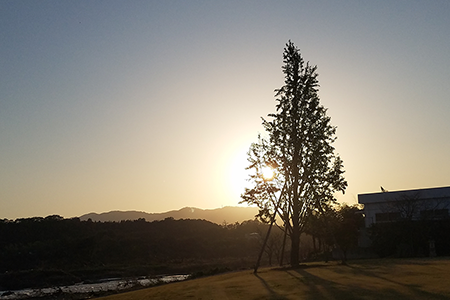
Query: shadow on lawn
[(358, 271), (273, 294), (320, 288)]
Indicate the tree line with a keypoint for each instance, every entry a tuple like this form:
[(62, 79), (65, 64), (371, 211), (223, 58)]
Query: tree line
[(117, 249), (86, 249)]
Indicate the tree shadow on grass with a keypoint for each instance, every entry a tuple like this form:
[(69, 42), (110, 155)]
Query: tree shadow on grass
[(273, 295), (414, 289), (320, 288)]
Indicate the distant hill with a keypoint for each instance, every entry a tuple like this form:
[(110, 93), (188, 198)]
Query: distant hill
[(228, 214)]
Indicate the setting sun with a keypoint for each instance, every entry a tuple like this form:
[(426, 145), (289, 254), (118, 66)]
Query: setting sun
[(268, 173)]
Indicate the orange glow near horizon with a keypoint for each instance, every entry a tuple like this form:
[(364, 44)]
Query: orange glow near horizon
[(237, 174), (153, 107)]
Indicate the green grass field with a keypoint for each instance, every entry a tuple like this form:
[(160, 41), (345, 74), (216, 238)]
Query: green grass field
[(364, 279)]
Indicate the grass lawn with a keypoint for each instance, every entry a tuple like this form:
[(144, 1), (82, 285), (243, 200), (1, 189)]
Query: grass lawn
[(365, 279)]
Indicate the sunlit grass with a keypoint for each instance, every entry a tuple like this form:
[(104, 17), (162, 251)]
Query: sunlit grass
[(368, 279)]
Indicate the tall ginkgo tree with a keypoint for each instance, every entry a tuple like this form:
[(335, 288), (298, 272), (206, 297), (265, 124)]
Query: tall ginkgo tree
[(298, 147)]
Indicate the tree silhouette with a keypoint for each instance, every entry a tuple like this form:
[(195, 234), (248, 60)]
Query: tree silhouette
[(299, 148), (346, 225), (39, 252)]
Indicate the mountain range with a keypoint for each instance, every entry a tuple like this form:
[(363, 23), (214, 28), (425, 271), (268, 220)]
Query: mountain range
[(227, 214)]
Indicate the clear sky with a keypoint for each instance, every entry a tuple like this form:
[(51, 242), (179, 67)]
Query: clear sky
[(152, 105)]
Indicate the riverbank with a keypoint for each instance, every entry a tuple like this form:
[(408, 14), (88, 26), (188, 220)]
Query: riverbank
[(89, 290)]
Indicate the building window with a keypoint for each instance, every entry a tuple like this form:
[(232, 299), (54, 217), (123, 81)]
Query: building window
[(435, 214), (387, 217)]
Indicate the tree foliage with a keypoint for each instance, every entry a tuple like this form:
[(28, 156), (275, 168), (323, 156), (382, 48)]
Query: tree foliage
[(81, 250), (336, 226), (347, 223), (299, 147)]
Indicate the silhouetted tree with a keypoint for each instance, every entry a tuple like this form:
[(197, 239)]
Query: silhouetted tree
[(126, 248), (346, 225), (299, 148), (320, 226)]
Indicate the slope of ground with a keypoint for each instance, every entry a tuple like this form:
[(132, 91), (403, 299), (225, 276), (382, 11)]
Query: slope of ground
[(369, 279)]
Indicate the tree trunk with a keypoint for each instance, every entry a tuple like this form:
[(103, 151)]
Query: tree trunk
[(284, 245), (295, 249), (344, 256), (261, 252), (295, 244)]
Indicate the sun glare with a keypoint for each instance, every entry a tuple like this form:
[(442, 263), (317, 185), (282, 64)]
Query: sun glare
[(268, 173), (237, 175)]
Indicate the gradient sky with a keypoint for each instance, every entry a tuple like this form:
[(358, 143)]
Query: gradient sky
[(152, 105)]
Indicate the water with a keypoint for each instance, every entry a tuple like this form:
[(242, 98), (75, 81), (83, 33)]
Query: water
[(84, 288)]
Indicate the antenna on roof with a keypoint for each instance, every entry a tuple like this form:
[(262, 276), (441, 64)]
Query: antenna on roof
[(383, 190)]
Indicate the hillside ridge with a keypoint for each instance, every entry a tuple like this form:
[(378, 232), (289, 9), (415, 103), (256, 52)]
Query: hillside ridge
[(227, 214)]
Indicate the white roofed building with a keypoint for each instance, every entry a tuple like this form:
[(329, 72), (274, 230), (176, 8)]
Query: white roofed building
[(419, 204)]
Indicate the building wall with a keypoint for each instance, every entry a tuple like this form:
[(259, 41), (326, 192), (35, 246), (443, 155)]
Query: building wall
[(430, 203)]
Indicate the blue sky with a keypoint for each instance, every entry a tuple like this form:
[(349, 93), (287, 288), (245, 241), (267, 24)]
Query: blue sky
[(151, 105)]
